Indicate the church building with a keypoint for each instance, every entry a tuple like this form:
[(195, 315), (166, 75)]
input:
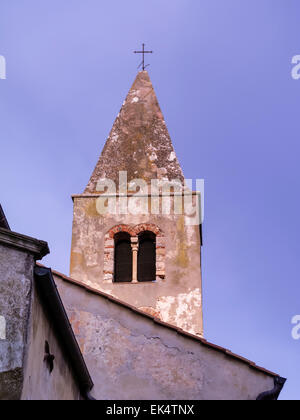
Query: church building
[(126, 324)]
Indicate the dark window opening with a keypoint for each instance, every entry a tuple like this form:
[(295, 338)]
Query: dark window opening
[(147, 256), (123, 258), (49, 358)]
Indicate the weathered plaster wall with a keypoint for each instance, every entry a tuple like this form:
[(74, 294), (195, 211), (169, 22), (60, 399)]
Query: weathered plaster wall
[(24, 327), (16, 273), (175, 298), (131, 357), (39, 383)]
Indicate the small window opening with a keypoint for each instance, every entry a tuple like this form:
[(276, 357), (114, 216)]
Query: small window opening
[(123, 258), (49, 358), (147, 256)]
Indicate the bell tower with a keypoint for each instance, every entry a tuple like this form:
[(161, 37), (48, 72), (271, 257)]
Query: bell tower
[(136, 227)]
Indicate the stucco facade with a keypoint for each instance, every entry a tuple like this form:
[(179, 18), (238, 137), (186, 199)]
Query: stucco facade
[(134, 356), (39, 383)]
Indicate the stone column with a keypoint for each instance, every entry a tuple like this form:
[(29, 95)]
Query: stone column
[(135, 248)]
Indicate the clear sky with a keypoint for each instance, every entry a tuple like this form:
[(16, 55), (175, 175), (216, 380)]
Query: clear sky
[(222, 73)]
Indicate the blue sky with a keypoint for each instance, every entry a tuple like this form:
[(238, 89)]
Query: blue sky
[(222, 73)]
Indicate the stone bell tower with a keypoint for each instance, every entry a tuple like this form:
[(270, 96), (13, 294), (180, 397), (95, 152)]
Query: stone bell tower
[(133, 237)]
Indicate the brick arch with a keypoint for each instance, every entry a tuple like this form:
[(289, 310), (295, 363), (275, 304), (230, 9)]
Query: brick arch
[(147, 226), (160, 246), (120, 228)]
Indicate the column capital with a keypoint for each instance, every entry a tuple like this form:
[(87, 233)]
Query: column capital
[(134, 243)]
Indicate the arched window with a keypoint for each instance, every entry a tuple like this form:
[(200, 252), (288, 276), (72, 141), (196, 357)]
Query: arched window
[(147, 256), (123, 258)]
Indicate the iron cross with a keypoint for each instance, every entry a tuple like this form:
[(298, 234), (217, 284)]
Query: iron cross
[(143, 52)]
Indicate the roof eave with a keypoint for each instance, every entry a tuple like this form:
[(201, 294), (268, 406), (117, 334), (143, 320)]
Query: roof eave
[(51, 298)]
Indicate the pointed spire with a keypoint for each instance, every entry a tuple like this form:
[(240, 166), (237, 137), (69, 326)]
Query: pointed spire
[(139, 142)]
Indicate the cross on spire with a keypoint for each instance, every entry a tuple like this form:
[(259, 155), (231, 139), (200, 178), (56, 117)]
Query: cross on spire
[(143, 52)]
